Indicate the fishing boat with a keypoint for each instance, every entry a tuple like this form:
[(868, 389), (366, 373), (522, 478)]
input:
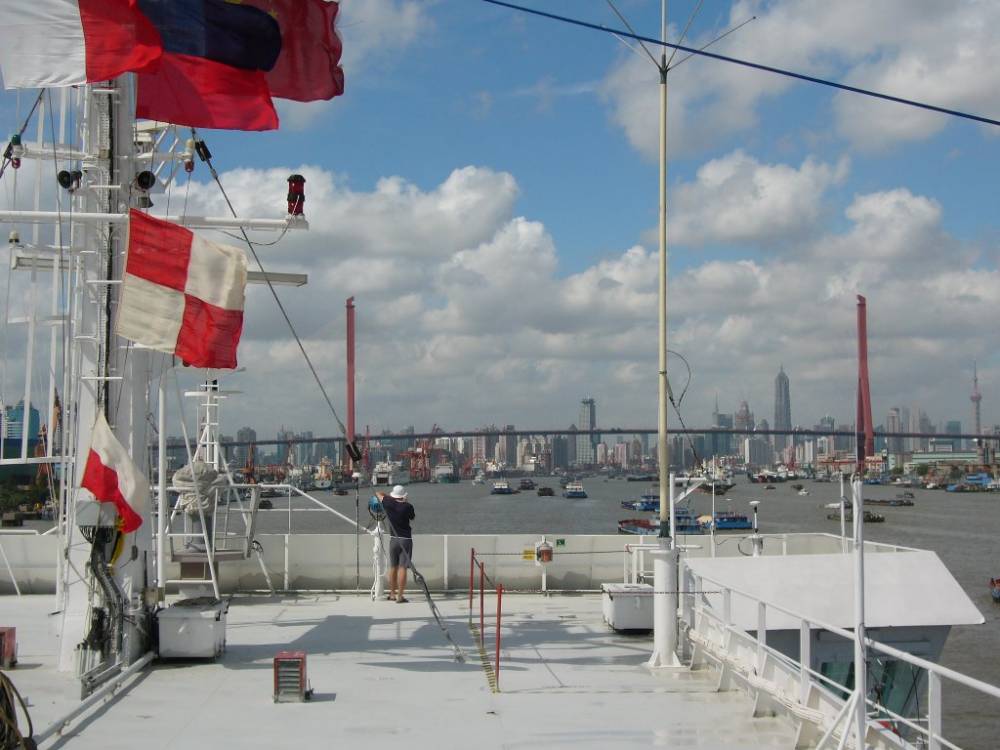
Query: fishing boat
[(574, 490), (501, 487)]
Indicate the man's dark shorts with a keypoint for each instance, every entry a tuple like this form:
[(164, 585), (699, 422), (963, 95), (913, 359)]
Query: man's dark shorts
[(400, 552)]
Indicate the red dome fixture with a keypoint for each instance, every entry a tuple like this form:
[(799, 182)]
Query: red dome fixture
[(296, 194)]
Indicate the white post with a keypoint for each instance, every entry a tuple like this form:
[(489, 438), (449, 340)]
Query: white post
[(444, 573), (286, 581), (761, 635), (378, 588), (805, 658), (161, 508), (843, 517), (712, 527), (860, 669), (933, 710), (664, 607)]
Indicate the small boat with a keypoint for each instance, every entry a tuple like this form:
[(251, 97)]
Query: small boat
[(769, 487), (870, 517), (546, 492), (501, 487), (721, 487), (574, 490), (684, 523), (897, 502), (995, 589), (796, 486), (648, 501), (803, 493), (526, 484), (340, 491), (727, 520)]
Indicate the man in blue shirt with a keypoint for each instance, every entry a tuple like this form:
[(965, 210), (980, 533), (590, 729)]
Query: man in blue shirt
[(399, 512)]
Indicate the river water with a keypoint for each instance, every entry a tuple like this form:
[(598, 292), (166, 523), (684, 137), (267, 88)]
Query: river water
[(964, 529)]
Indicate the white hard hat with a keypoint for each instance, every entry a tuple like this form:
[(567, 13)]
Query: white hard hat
[(398, 492)]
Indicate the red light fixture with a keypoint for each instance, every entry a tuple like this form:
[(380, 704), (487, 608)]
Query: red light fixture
[(296, 194)]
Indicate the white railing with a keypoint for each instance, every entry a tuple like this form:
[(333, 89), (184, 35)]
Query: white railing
[(800, 689), (635, 570)]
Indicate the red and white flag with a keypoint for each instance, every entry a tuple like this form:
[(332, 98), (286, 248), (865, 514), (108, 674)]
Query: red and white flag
[(69, 42), (182, 294), (112, 477)]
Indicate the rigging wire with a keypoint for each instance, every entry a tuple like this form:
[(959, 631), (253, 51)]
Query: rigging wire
[(205, 156), (749, 63)]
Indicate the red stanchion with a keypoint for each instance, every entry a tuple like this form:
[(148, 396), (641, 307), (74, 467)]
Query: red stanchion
[(482, 577), (499, 610), (472, 572)]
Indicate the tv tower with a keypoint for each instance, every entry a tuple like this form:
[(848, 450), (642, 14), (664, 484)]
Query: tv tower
[(975, 398)]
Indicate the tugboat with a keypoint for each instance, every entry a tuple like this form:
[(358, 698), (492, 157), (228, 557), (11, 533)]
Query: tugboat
[(574, 490), (546, 492), (526, 484)]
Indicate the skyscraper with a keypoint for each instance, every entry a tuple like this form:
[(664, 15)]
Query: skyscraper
[(782, 408), (586, 445), (744, 417)]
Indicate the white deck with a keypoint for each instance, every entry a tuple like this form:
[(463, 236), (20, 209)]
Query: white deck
[(384, 677)]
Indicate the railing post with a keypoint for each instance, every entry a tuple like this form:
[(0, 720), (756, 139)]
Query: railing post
[(472, 579), (482, 576), (499, 610), (761, 635), (286, 563), (805, 659), (933, 710), (727, 607)]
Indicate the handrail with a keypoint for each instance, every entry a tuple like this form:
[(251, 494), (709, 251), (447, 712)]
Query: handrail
[(935, 672), (476, 564)]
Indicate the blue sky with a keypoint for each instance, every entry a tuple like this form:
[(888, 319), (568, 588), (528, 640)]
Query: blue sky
[(787, 199)]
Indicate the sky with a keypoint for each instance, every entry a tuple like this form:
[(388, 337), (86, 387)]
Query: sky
[(487, 190)]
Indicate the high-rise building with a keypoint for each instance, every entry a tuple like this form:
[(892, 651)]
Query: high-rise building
[(586, 445), (782, 408), (571, 446), (894, 423), (13, 422), (744, 418), (954, 427), (560, 452), (509, 441), (244, 435)]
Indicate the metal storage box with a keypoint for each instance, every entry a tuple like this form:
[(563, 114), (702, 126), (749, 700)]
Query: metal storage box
[(192, 629), (628, 606)]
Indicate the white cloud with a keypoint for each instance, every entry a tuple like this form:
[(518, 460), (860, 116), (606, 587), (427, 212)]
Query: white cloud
[(737, 199), (942, 53), (465, 318)]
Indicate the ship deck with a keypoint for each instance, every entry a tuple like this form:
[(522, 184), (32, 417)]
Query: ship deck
[(385, 677)]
